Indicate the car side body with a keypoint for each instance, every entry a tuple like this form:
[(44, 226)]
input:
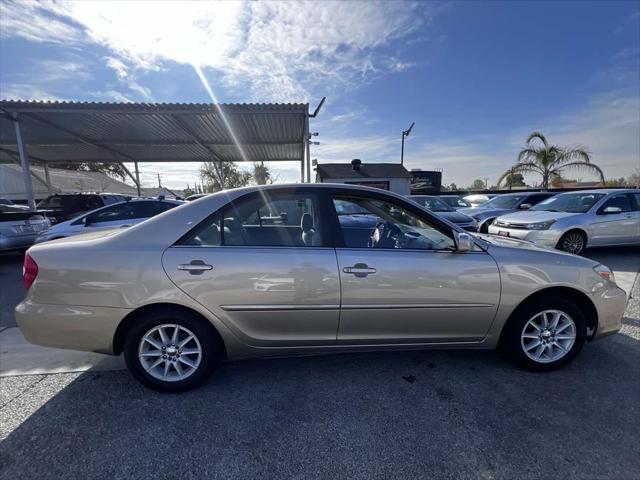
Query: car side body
[(321, 293)]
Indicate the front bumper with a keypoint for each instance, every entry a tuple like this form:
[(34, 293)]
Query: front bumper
[(611, 303), (89, 329), (545, 238)]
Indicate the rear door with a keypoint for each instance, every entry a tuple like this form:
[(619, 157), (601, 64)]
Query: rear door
[(614, 228), (264, 266), (405, 283)]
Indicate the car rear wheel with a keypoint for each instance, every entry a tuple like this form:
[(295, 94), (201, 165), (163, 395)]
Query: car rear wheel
[(572, 242), (171, 352), (545, 335)]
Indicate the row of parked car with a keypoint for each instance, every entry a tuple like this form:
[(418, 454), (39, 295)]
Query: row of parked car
[(64, 215), (568, 221)]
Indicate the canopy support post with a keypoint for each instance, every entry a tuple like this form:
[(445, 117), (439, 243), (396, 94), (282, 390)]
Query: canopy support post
[(137, 178), (307, 144), (47, 177), (24, 161)]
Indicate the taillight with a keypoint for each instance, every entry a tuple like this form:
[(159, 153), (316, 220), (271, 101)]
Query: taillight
[(29, 271)]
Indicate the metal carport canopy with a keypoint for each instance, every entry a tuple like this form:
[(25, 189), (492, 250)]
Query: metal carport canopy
[(54, 132)]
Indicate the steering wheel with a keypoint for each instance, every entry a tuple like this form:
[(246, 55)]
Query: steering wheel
[(385, 235)]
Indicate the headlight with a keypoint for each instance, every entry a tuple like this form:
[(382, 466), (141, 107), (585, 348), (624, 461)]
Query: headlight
[(605, 272), (540, 225)]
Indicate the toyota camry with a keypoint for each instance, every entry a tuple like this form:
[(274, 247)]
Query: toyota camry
[(273, 270)]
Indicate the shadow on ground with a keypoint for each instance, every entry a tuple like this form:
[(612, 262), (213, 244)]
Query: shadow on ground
[(450, 414)]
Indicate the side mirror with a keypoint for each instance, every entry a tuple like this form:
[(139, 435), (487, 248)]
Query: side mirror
[(610, 210), (464, 242), (88, 220), (525, 206)]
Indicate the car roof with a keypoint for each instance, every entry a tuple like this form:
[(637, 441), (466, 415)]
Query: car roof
[(605, 191)]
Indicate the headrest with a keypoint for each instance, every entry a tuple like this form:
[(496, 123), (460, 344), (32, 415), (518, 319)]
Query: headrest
[(306, 223)]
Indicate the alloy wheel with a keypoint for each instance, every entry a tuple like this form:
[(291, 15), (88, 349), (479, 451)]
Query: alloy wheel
[(573, 243), (170, 352), (548, 336)]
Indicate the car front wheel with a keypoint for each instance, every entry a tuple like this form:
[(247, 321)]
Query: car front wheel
[(171, 352), (573, 242), (545, 335)]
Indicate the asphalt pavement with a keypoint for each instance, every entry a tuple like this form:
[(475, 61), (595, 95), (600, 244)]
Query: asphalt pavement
[(426, 414)]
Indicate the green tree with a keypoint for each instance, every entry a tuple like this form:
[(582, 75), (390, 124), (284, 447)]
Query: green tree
[(514, 180), (634, 179), (538, 156), (477, 185), (216, 176), (262, 174), (116, 170)]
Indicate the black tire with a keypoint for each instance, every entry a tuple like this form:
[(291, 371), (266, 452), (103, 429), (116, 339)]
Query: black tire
[(211, 349), (484, 227), (511, 341), (573, 241)]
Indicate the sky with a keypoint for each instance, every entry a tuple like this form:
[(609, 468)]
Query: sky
[(476, 77)]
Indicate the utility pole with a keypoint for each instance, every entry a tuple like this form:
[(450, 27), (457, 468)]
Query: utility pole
[(159, 184), (405, 133)]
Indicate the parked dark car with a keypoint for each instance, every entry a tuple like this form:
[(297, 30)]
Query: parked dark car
[(486, 213), (62, 207), (455, 201), (438, 206)]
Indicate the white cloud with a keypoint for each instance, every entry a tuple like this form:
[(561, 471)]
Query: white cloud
[(118, 66), (279, 51)]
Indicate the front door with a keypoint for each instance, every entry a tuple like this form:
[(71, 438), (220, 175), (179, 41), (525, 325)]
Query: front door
[(404, 282), (614, 228), (262, 267)]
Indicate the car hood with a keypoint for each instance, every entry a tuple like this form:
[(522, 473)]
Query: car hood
[(455, 217), (535, 216), (482, 213)]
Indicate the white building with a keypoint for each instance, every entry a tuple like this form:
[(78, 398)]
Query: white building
[(387, 176)]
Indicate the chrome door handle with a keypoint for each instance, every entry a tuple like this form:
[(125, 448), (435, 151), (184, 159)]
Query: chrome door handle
[(196, 267), (359, 270)]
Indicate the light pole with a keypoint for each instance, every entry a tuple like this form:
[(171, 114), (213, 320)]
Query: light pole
[(405, 133)]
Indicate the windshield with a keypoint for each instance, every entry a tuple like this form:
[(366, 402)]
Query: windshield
[(432, 203), (455, 201), (569, 202), (504, 201), (349, 208)]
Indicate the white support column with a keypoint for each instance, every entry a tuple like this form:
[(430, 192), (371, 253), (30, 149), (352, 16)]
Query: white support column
[(308, 149), (137, 178), (24, 161), (47, 177)]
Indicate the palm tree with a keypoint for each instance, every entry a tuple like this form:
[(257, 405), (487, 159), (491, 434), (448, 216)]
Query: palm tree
[(550, 160)]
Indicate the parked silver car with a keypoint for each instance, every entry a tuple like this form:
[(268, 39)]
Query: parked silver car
[(577, 220), (123, 214), (20, 227), (486, 213), (273, 270)]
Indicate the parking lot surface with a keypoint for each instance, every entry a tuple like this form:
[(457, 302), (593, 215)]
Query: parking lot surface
[(422, 414)]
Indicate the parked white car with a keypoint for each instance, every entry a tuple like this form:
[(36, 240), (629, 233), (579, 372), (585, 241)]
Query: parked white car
[(123, 214), (574, 221)]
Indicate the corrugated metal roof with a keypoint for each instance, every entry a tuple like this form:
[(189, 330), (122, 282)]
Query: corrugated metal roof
[(163, 132)]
